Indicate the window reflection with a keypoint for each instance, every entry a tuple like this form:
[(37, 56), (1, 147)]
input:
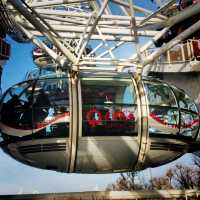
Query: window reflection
[(185, 101), (37, 109), (165, 116), (14, 108), (51, 108), (189, 123), (159, 94), (163, 111), (109, 107), (163, 120)]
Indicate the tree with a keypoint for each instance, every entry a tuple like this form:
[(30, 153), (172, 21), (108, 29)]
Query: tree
[(178, 177), (160, 183), (183, 177), (126, 181)]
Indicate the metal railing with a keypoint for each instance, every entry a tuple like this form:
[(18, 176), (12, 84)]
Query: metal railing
[(185, 52), (110, 195)]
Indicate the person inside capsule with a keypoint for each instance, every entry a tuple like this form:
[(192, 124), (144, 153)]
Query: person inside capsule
[(35, 107)]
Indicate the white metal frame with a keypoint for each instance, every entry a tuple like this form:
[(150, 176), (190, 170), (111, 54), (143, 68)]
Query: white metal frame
[(62, 20)]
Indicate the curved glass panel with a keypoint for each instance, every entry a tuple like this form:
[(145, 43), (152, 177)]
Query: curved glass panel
[(163, 109), (45, 72), (159, 94), (1, 138), (14, 107), (36, 109), (166, 117), (51, 108), (109, 107), (189, 124), (184, 101), (188, 113)]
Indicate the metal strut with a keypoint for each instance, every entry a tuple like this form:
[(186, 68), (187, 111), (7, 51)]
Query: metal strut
[(106, 26)]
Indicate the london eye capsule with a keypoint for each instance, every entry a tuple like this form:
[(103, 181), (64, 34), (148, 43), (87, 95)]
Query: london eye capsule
[(96, 122)]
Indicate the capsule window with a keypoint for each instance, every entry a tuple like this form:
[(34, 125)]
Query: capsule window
[(168, 117), (14, 107), (36, 109), (184, 101), (51, 108), (163, 109), (189, 124), (109, 107), (1, 138), (160, 94)]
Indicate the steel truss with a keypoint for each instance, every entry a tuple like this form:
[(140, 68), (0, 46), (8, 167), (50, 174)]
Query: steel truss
[(106, 26)]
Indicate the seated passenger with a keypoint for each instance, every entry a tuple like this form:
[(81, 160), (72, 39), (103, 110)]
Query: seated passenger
[(40, 107)]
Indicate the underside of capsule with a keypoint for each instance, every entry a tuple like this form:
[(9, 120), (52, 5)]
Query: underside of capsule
[(95, 122)]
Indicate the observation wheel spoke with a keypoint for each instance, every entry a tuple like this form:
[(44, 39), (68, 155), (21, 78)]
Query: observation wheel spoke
[(93, 34)]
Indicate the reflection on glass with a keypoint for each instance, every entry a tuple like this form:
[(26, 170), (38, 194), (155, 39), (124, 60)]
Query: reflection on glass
[(165, 116), (1, 139), (36, 109), (185, 101), (163, 120), (13, 111), (51, 108), (159, 94), (189, 123), (109, 107)]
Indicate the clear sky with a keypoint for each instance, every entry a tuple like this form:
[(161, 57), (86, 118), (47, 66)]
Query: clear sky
[(16, 177)]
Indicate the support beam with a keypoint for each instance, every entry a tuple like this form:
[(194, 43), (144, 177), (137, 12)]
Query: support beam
[(44, 31), (151, 42), (56, 3), (63, 13), (118, 38), (183, 15), (111, 49), (102, 22), (105, 3), (43, 46), (137, 8), (167, 5), (123, 31), (134, 30), (195, 27), (187, 13)]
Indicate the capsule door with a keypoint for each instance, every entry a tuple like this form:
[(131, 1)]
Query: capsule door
[(108, 125)]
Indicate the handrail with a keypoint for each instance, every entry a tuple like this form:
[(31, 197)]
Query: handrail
[(110, 195), (182, 53)]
